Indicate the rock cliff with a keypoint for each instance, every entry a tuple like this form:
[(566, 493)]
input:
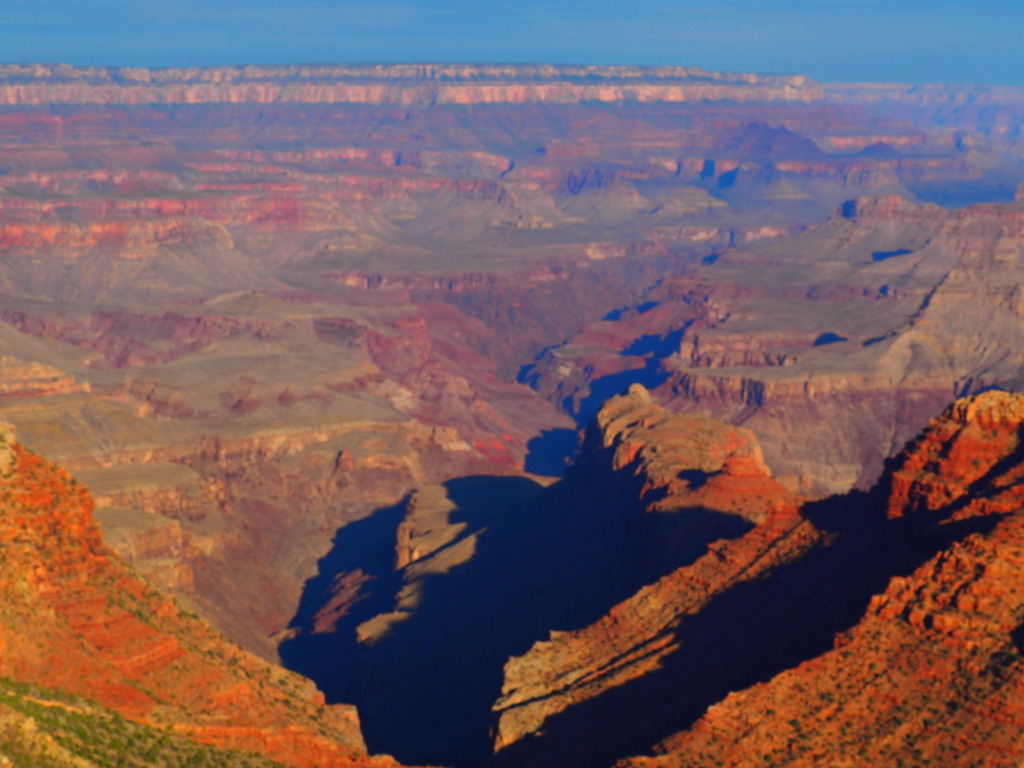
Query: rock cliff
[(871, 628), (931, 673), (684, 462), (77, 620), (282, 320)]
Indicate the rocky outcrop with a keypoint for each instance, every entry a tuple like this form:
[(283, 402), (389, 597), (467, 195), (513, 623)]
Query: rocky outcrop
[(687, 461), (931, 673), (272, 313), (554, 706), (77, 620), (21, 378), (198, 468), (683, 462), (878, 628), (423, 604), (426, 527), (960, 454)]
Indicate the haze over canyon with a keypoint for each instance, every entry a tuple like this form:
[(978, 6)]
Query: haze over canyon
[(538, 415)]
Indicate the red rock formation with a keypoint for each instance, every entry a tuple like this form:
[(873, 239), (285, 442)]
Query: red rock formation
[(683, 461), (932, 673), (77, 620), (482, 567), (925, 669), (401, 393), (957, 454), (687, 461), (284, 298)]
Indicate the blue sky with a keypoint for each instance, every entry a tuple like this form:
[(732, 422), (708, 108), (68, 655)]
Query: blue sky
[(839, 40)]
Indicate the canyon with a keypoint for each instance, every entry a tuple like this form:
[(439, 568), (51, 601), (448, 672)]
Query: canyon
[(507, 402)]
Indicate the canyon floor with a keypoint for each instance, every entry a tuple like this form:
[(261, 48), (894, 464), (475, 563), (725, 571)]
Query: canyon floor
[(340, 354)]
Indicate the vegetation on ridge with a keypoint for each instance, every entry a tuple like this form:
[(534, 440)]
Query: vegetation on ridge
[(41, 728)]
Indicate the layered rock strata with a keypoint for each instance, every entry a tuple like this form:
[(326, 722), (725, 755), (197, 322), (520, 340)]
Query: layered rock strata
[(873, 628), (931, 674), (397, 84), (78, 620), (871, 322), (684, 462), (254, 305)]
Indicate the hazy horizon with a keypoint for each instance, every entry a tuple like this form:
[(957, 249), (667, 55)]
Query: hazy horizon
[(827, 40)]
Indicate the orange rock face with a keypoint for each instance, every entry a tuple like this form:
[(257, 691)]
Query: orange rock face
[(875, 629), (77, 620), (258, 307), (684, 462), (931, 674), (426, 602), (688, 461)]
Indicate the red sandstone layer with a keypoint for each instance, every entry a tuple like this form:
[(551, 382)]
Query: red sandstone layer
[(75, 619), (932, 673)]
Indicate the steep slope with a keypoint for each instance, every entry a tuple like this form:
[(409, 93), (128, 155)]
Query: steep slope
[(932, 674), (49, 729), (227, 417), (553, 709), (75, 619), (876, 628)]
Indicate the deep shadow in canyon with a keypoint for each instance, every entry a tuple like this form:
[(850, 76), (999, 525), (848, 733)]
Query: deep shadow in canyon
[(558, 559), (364, 549), (748, 634), (550, 452), (654, 348)]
